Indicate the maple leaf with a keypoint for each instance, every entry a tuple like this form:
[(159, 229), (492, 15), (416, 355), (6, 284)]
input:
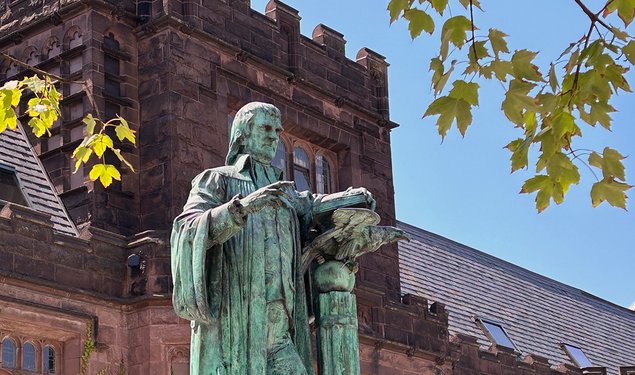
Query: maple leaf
[(610, 163), (419, 21), (457, 105), (516, 101), (90, 123), (599, 113), (124, 132), (625, 10), (439, 5), (546, 188), (610, 191), (101, 143), (105, 173), (523, 68), (501, 69), (498, 43), (395, 7), (629, 51), (456, 27)]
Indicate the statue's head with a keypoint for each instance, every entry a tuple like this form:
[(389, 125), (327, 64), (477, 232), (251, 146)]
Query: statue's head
[(255, 131)]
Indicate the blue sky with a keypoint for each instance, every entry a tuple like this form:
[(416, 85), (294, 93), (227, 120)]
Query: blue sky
[(462, 189)]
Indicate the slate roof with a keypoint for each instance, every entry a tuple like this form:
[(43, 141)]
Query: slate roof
[(17, 153), (537, 312)]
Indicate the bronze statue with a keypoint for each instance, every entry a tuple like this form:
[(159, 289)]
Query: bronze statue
[(237, 257)]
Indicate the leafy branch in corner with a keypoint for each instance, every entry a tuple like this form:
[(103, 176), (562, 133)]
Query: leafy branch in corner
[(44, 109), (547, 108)]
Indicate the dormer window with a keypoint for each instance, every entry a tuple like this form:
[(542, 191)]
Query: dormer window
[(11, 188), (577, 355), (496, 333)]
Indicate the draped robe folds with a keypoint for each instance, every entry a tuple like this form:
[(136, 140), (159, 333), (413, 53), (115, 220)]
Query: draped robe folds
[(218, 269)]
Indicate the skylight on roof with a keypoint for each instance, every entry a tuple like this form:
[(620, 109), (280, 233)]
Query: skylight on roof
[(10, 187), (577, 355), (496, 333)]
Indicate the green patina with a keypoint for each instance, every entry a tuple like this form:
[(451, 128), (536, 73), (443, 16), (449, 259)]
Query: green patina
[(238, 262)]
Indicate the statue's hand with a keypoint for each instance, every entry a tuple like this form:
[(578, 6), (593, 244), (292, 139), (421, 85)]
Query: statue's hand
[(370, 201), (267, 196)]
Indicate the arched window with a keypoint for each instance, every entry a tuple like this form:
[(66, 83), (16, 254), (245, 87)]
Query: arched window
[(301, 169), (49, 360), (323, 178), (8, 353), (280, 160), (28, 357)]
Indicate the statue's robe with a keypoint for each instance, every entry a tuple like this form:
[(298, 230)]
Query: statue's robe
[(218, 269)]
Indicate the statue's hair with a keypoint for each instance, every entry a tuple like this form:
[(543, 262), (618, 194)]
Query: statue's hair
[(243, 124)]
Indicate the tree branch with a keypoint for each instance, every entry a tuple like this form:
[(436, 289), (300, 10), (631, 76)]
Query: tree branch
[(36, 70), (594, 17)]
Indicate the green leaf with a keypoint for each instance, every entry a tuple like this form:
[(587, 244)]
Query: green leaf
[(439, 77), (457, 105), (546, 188), (445, 43), (619, 34), (599, 113), (457, 25), (395, 7), (520, 152), (563, 123), (81, 155), (516, 101), (439, 5), (466, 4), (625, 10), (105, 173), (553, 80), (39, 127), (466, 91), (523, 68), (35, 84), (10, 119), (562, 170), (498, 43), (629, 51), (610, 191), (90, 123), (573, 61), (124, 132), (481, 52), (419, 21), (610, 163), (502, 69), (118, 153), (101, 143)]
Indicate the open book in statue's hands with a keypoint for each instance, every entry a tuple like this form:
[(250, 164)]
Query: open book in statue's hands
[(355, 232)]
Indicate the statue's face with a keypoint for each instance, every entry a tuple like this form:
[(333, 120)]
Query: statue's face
[(262, 144)]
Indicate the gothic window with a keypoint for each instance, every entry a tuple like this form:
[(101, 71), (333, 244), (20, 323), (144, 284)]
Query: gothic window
[(49, 360), (28, 357), (52, 48), (280, 160), (32, 58), (8, 353), (301, 169), (11, 70), (323, 176), (75, 39)]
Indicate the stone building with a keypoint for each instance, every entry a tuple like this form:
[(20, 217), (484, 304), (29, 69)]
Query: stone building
[(178, 71)]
